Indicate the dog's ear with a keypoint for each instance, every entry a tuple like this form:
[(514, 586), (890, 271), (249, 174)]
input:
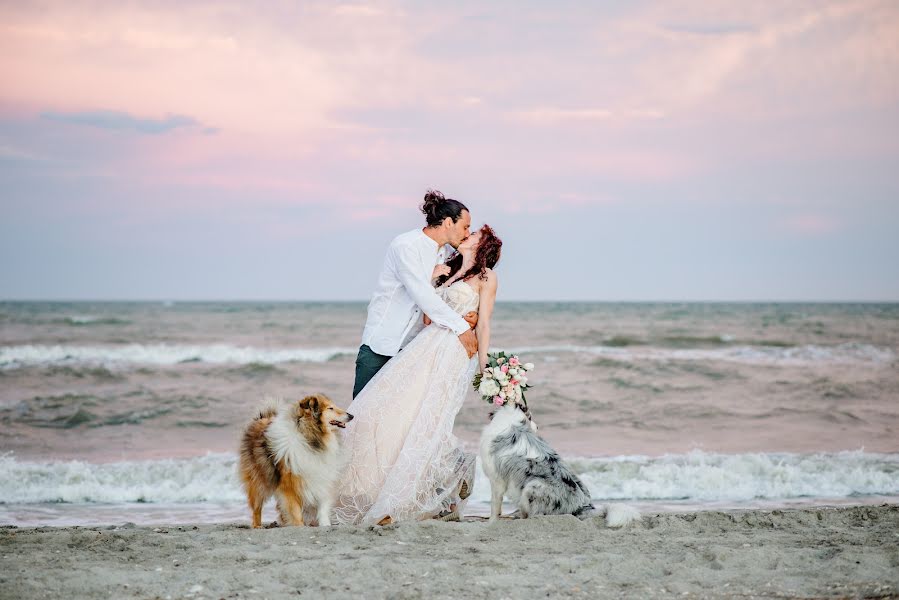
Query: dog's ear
[(311, 404)]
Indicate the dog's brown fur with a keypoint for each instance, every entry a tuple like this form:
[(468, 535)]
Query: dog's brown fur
[(263, 475)]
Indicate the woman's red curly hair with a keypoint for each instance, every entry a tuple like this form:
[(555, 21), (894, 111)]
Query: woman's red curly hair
[(486, 256)]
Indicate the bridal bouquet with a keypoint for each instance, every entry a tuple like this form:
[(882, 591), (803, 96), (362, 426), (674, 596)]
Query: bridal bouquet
[(504, 379)]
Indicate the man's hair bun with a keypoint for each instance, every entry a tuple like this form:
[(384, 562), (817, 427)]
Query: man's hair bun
[(433, 200), (436, 207)]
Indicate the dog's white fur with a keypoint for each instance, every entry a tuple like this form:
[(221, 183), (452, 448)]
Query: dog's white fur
[(320, 470)]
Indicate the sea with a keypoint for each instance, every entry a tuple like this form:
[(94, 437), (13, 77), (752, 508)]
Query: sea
[(131, 412)]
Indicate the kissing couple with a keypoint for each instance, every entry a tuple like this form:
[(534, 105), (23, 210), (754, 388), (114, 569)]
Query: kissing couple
[(416, 363)]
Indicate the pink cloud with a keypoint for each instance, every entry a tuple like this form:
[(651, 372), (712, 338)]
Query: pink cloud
[(556, 115), (689, 59), (155, 62), (296, 93)]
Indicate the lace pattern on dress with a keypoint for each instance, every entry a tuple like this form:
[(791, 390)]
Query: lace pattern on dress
[(404, 461)]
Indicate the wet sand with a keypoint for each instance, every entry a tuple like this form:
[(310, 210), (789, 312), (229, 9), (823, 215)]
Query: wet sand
[(807, 553)]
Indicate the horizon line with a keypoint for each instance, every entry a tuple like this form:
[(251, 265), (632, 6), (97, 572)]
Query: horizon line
[(518, 301)]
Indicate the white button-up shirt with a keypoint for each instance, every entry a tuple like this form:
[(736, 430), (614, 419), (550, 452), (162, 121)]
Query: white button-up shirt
[(403, 292)]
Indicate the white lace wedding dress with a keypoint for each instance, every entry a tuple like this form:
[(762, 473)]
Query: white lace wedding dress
[(404, 461)]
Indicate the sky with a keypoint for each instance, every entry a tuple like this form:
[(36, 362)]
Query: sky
[(644, 150)]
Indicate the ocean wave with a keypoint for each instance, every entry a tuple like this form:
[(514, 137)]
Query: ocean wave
[(82, 320), (851, 353), (676, 341), (697, 476), (160, 355), (706, 476), (210, 478), (253, 357)]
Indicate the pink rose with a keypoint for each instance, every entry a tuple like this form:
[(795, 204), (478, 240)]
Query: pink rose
[(498, 400), (514, 361), (514, 382), (504, 368)]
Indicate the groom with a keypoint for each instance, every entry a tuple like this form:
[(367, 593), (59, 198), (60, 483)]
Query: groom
[(404, 291)]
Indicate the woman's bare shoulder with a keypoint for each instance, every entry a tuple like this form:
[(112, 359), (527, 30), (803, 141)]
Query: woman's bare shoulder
[(490, 278)]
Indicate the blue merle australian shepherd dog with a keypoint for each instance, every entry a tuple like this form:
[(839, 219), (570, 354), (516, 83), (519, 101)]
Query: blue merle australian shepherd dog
[(524, 468)]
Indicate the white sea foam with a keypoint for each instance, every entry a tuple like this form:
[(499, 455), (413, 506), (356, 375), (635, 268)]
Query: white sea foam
[(849, 353), (82, 319), (160, 355), (210, 478), (172, 354), (702, 476), (697, 476)]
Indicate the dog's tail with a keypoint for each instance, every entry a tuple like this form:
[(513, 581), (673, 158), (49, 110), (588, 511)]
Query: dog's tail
[(269, 408), (619, 515)]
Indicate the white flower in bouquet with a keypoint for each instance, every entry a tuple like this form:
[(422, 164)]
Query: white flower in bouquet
[(522, 380), (489, 387), (528, 366), (488, 373)]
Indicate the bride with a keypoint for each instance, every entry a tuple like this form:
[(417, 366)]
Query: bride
[(404, 461)]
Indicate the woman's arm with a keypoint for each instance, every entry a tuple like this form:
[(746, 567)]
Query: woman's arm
[(485, 311)]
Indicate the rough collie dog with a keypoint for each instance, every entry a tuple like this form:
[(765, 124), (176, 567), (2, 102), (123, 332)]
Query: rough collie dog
[(292, 451), (522, 466)]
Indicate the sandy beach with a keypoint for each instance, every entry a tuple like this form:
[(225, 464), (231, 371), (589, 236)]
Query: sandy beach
[(808, 553)]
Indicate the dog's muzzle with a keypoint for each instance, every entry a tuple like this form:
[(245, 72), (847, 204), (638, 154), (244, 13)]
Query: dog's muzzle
[(342, 424)]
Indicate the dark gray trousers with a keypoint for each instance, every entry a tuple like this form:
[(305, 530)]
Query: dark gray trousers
[(368, 363)]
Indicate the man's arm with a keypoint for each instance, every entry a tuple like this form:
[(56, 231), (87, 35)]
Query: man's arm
[(407, 266)]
